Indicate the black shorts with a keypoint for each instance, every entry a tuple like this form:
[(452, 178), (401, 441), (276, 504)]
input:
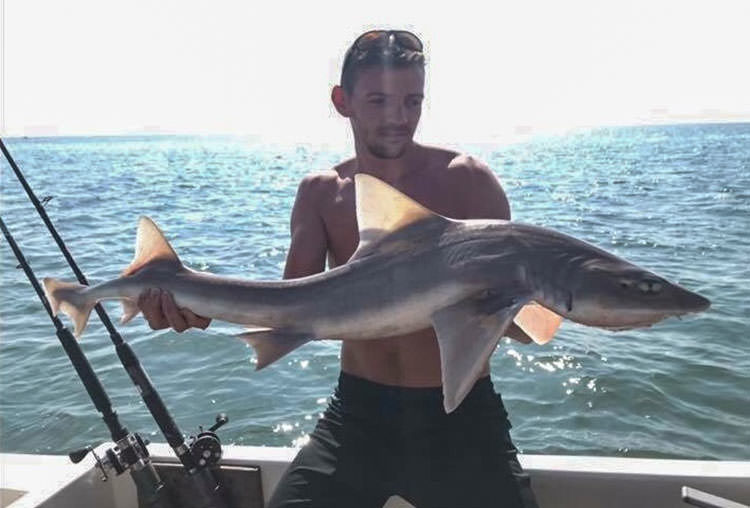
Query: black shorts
[(375, 441)]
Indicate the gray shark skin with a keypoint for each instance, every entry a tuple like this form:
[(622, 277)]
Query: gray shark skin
[(413, 269)]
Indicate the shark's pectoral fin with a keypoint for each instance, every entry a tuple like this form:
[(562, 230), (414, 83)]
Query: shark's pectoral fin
[(271, 344), (538, 322), (515, 332), (467, 334)]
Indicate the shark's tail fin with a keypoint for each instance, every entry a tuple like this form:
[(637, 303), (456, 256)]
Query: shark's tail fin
[(72, 299)]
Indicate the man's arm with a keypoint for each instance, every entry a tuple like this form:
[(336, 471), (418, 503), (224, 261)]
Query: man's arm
[(309, 243)]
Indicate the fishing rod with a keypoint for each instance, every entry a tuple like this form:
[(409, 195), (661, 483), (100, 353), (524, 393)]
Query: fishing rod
[(130, 454), (201, 455)]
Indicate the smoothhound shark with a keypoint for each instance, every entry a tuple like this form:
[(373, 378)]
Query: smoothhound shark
[(413, 269)]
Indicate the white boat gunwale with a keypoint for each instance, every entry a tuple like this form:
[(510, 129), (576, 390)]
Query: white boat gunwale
[(52, 481)]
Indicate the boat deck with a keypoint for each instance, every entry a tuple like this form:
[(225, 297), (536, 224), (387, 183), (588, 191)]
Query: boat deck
[(47, 481)]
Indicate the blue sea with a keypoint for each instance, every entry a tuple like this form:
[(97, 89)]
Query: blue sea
[(673, 199)]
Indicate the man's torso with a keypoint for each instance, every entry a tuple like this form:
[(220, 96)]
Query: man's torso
[(406, 360)]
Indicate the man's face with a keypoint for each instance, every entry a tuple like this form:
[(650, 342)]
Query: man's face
[(385, 106)]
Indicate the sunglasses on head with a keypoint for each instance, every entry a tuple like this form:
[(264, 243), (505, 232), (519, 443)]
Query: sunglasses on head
[(379, 39), (385, 38)]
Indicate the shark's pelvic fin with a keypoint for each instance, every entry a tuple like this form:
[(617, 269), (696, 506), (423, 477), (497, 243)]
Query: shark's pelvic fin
[(150, 245), (382, 210), (538, 322), (467, 334), (130, 310), (270, 344)]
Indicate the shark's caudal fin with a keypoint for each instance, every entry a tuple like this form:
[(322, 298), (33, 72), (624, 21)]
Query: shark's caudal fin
[(270, 344), (71, 298), (150, 245)]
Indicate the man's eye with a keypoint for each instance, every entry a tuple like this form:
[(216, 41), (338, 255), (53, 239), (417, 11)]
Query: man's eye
[(377, 101)]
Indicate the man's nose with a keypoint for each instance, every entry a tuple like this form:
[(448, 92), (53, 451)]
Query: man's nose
[(396, 114)]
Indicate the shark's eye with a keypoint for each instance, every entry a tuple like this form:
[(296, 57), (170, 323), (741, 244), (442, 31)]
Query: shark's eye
[(650, 286), (625, 284)]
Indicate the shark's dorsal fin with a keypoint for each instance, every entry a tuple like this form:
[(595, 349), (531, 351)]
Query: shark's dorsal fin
[(150, 245), (382, 210)]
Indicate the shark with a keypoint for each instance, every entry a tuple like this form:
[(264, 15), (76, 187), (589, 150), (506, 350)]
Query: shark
[(473, 281)]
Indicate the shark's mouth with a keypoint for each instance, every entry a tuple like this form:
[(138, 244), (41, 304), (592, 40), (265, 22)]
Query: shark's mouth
[(622, 328), (644, 324)]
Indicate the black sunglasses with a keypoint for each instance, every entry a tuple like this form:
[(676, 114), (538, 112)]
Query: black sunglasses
[(400, 39), (385, 38)]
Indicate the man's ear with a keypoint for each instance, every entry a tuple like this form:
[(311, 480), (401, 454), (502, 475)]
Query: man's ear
[(338, 97)]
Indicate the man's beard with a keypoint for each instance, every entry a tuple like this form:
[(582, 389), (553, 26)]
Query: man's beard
[(386, 152)]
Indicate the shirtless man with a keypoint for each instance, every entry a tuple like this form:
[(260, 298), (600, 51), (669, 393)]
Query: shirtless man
[(385, 432)]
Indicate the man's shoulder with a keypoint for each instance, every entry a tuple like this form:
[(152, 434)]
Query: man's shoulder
[(464, 164), (473, 184), (317, 179), (325, 180), (319, 188), (453, 165)]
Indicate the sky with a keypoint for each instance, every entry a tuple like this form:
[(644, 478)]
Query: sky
[(494, 69)]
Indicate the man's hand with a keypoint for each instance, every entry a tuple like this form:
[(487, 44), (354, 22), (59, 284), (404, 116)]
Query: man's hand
[(161, 311)]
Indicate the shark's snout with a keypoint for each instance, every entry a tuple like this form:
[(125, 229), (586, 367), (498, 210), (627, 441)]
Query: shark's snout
[(693, 302), (618, 295), (659, 292)]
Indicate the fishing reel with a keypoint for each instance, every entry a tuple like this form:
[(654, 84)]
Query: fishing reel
[(206, 446), (129, 452)]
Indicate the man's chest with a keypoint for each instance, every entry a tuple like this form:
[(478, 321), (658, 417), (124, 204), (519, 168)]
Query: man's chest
[(340, 219)]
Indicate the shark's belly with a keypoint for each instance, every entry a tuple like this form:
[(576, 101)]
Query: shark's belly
[(385, 317)]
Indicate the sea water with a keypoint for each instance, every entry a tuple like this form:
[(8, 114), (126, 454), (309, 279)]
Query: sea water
[(673, 199)]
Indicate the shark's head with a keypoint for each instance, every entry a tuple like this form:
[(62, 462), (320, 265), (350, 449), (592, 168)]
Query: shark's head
[(612, 293)]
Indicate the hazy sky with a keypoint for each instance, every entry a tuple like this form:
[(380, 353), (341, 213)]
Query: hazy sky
[(266, 68)]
